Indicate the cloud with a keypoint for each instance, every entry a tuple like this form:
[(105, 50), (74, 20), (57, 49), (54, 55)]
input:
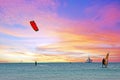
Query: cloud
[(59, 39), (12, 11), (106, 15), (19, 13)]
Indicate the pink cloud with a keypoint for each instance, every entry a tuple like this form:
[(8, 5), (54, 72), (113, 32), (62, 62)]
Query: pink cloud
[(66, 34), (17, 12), (105, 15)]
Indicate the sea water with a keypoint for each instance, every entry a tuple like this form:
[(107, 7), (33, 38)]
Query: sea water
[(59, 71)]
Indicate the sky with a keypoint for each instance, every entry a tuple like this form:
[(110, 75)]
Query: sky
[(69, 30)]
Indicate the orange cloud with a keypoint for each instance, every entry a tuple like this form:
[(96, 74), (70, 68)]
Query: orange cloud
[(59, 39)]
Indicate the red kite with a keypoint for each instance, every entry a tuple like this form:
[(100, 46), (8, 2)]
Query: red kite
[(34, 26)]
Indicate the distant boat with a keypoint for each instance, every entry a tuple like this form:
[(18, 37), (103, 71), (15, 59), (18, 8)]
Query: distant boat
[(89, 60)]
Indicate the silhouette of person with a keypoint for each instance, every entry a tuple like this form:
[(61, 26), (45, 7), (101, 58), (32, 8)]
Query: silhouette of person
[(35, 63), (103, 62)]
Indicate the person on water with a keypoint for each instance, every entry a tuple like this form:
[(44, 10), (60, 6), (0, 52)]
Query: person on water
[(105, 61), (35, 63)]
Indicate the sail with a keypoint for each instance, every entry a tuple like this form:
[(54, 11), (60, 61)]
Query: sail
[(107, 56), (88, 60)]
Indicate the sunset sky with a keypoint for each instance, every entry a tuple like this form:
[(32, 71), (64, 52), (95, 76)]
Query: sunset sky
[(69, 30)]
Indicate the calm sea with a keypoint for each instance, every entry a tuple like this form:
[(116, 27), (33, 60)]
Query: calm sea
[(59, 71)]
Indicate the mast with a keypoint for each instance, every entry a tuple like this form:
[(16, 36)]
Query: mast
[(89, 60)]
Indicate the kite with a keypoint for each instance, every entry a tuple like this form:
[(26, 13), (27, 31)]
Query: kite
[(34, 26)]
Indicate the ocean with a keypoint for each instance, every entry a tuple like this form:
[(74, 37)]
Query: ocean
[(59, 71)]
